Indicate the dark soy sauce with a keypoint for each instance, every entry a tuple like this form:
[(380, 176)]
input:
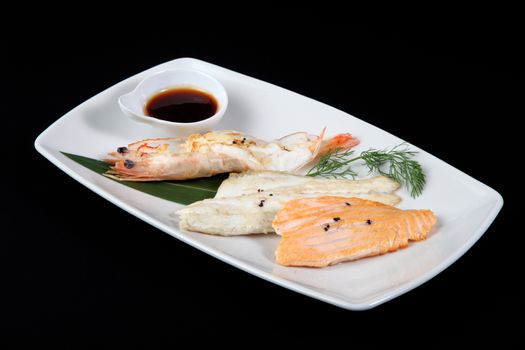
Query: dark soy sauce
[(181, 105)]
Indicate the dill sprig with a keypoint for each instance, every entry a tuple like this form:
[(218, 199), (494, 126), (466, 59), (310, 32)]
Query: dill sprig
[(395, 163), (334, 164)]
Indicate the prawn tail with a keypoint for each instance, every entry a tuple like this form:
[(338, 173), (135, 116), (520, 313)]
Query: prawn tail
[(341, 142)]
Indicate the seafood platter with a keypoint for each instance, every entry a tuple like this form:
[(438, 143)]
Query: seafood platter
[(277, 184)]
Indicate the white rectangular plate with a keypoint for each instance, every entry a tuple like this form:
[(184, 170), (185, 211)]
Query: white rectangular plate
[(464, 206)]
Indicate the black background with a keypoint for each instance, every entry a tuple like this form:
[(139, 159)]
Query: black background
[(72, 263)]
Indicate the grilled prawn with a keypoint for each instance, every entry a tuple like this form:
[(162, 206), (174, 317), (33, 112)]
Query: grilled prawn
[(203, 155)]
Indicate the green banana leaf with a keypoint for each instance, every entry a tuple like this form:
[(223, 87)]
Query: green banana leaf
[(183, 192)]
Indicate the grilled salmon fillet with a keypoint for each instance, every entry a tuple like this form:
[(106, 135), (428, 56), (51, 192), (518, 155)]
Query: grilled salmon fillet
[(327, 230)]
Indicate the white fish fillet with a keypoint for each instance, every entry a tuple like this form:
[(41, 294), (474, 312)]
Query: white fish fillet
[(254, 181), (247, 203)]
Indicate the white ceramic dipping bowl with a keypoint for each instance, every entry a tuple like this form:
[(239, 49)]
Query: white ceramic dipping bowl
[(133, 103)]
